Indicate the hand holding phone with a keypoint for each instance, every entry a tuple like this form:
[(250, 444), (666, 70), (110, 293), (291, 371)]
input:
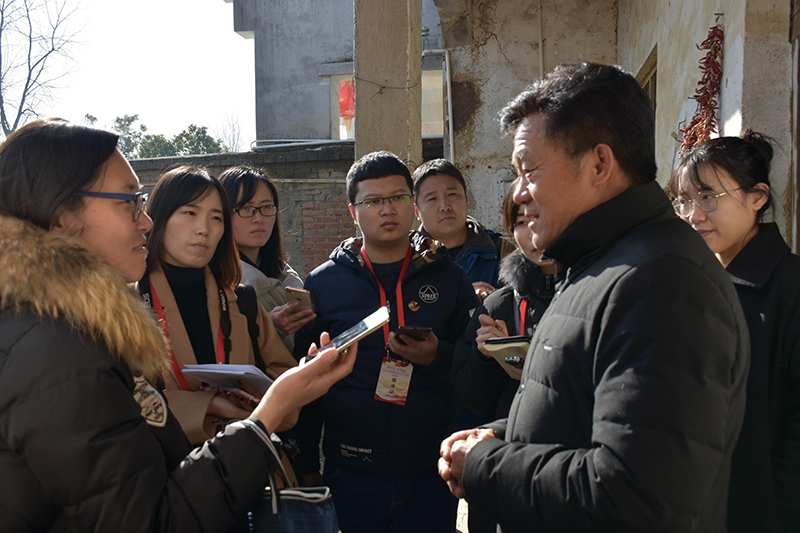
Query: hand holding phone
[(299, 295), (416, 333)]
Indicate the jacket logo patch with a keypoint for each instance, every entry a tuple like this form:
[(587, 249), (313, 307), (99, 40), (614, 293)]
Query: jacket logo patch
[(428, 294), (154, 407), (413, 305)]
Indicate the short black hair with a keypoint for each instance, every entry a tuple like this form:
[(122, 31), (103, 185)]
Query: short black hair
[(433, 167), (589, 104), (373, 166)]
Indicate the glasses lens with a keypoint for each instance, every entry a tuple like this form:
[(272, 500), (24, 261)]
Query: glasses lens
[(267, 210), (707, 201), (400, 198)]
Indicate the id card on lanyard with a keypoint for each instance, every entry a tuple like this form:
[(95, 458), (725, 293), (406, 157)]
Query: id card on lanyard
[(223, 343), (394, 379)]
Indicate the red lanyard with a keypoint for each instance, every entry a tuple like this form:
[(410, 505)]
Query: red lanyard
[(401, 317), (523, 307), (175, 367)]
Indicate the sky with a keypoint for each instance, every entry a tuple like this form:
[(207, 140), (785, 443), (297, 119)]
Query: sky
[(172, 62)]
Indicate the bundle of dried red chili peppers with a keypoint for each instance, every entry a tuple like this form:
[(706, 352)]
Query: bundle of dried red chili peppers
[(704, 121)]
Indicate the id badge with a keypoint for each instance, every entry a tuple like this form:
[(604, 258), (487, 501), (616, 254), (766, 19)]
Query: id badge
[(394, 381)]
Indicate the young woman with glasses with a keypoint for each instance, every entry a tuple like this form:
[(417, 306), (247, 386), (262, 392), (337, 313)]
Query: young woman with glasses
[(192, 272), (257, 230), (87, 442), (722, 189)]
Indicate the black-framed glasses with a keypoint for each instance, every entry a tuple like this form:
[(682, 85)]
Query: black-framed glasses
[(704, 200), (399, 199), (249, 211), (139, 200)]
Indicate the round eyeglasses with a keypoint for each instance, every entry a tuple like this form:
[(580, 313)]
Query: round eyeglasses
[(704, 200), (400, 199), (249, 211), (139, 200)]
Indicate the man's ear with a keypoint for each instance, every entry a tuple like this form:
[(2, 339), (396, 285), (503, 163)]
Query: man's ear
[(353, 213), (416, 211), (602, 163)]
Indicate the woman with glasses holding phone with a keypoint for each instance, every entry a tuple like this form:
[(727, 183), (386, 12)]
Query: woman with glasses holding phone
[(257, 230), (721, 188), (87, 442), (192, 272)]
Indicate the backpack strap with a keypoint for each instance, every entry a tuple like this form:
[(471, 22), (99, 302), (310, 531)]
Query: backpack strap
[(248, 306)]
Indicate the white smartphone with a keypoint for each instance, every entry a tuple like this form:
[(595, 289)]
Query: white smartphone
[(345, 339)]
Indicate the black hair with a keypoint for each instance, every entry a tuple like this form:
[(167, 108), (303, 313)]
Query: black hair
[(46, 164), (746, 159), (240, 183), (373, 166), (589, 104), (179, 187), (433, 167)]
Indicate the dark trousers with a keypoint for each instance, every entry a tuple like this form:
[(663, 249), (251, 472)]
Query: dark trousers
[(414, 503)]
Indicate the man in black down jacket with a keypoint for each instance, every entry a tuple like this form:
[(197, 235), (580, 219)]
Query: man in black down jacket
[(632, 395)]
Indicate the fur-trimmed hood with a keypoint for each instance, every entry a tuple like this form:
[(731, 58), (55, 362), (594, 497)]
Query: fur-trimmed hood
[(56, 277), (525, 277)]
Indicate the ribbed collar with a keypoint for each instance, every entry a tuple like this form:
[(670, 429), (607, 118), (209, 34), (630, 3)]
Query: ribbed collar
[(753, 266), (602, 226), (183, 277)]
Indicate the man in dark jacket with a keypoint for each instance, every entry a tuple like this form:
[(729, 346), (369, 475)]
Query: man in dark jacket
[(384, 423), (441, 206), (632, 394)]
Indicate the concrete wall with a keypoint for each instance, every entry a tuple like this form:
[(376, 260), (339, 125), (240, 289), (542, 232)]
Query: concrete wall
[(295, 42), (757, 70), (494, 56)]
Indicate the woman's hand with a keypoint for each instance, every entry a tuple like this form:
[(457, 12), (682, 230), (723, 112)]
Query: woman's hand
[(287, 318), (482, 290), (221, 407), (490, 328), (305, 383)]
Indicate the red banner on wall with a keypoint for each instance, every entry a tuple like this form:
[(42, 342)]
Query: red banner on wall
[(347, 99)]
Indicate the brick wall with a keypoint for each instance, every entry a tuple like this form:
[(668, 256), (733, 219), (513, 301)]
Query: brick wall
[(311, 186)]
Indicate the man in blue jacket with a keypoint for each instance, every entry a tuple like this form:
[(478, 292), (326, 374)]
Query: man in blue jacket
[(441, 206), (384, 422)]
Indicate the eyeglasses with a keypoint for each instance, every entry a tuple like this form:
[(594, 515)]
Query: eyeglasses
[(250, 212), (139, 200), (399, 199), (705, 201)]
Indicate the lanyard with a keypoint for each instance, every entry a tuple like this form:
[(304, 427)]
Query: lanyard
[(523, 308), (223, 338), (401, 317)]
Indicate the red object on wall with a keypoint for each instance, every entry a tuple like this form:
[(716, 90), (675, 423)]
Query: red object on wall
[(347, 99)]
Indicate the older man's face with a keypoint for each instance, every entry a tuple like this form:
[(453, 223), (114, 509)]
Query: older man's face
[(552, 191)]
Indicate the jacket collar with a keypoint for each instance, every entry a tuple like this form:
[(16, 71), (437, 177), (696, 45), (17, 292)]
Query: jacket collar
[(597, 229), (477, 237), (54, 276), (425, 250), (753, 266), (525, 277)]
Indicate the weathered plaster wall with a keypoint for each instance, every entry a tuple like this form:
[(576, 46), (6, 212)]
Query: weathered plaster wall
[(494, 56), (756, 85)]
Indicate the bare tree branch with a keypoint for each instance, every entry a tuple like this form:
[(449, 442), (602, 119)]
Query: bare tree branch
[(32, 33)]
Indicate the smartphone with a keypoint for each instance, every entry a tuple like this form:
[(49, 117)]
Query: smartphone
[(345, 339), (515, 361), (415, 333), (299, 295)]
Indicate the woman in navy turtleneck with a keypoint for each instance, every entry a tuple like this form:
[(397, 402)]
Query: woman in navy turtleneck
[(192, 271)]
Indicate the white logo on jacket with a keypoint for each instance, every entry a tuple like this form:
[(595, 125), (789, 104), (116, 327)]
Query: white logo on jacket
[(428, 294)]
